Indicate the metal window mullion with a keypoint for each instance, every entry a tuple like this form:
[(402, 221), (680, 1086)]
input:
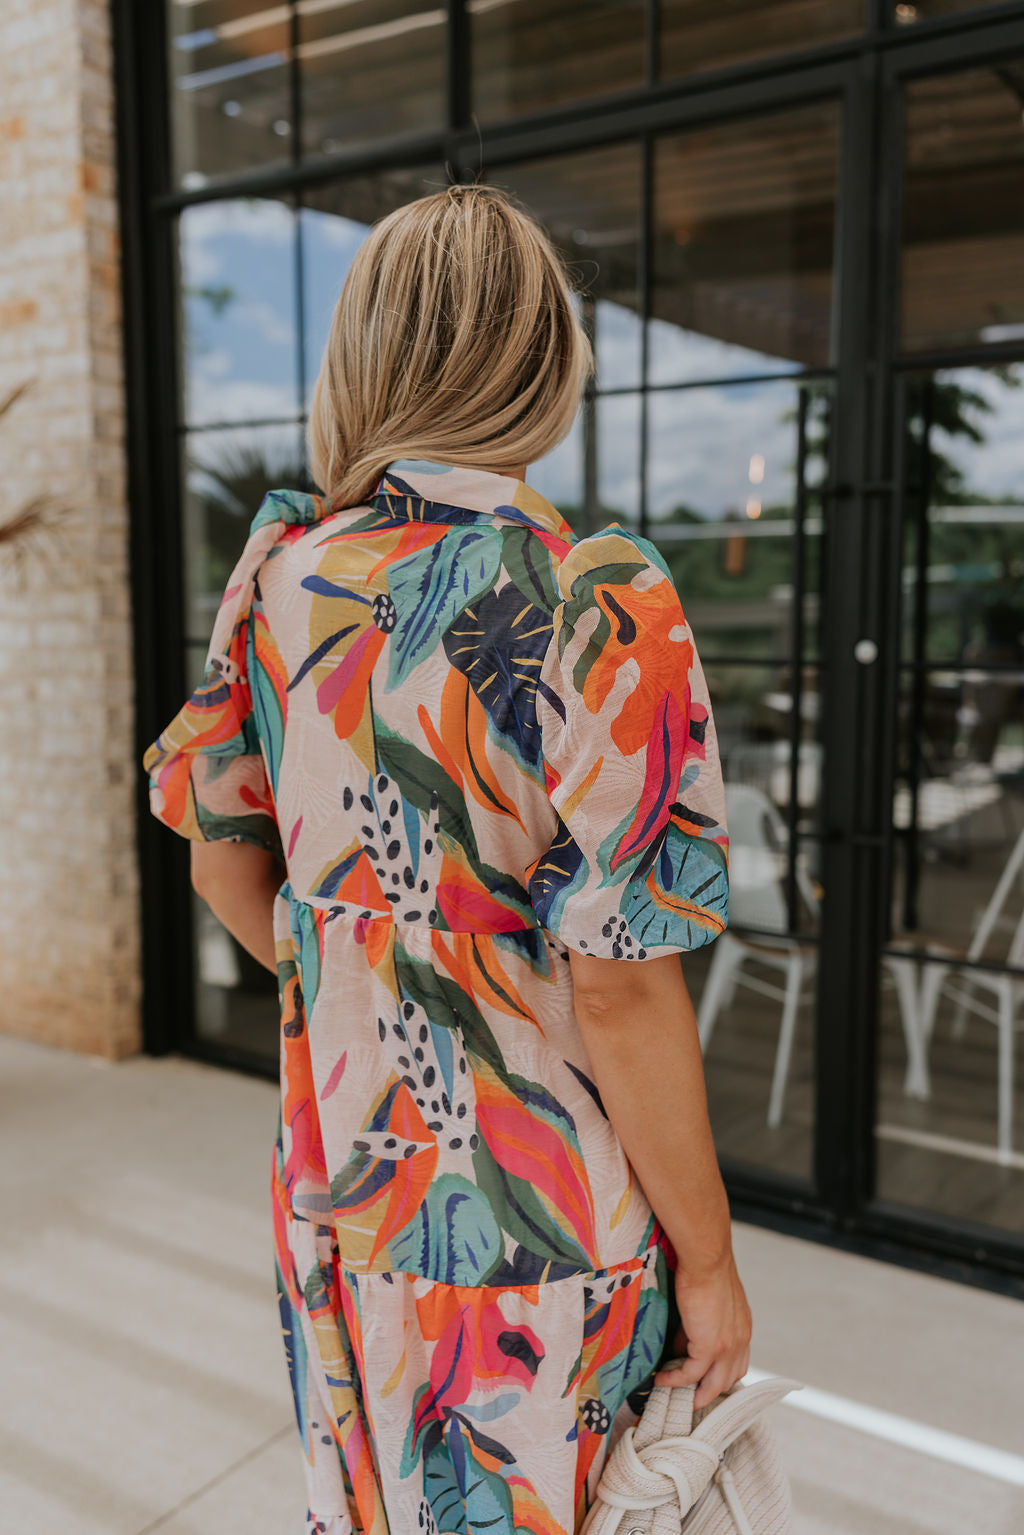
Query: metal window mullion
[(652, 40), (843, 1059), (645, 283), (153, 495), (796, 691), (922, 507), (457, 67)]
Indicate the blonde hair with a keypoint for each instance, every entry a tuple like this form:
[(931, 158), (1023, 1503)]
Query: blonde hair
[(454, 339)]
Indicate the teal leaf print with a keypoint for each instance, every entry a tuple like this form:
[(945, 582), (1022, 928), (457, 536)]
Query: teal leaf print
[(649, 1333), (486, 1496), (442, 1490), (307, 947), (684, 899), (430, 588), (486, 1412), (266, 722), (453, 1237)]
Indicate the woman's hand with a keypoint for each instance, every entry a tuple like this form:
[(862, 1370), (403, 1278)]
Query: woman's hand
[(715, 1333)]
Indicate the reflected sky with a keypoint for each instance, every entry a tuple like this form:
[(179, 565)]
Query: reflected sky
[(238, 297), (993, 467), (679, 356)]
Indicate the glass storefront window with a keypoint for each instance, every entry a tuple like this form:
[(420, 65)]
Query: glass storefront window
[(532, 55), (239, 339), (559, 475), (618, 453), (963, 216), (706, 34), (743, 244), (230, 87), (755, 991), (963, 512), (949, 1137), (734, 479), (226, 474), (725, 480), (590, 204), (369, 69)]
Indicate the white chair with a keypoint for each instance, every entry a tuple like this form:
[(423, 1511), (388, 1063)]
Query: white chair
[(943, 977), (758, 841), (766, 765)]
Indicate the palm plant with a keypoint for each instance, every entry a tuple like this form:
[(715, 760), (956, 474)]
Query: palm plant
[(24, 531)]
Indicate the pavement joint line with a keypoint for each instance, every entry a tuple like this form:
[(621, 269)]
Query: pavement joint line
[(214, 1481), (953, 1449)]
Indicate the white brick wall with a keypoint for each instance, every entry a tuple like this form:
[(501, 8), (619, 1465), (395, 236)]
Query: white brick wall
[(69, 937)]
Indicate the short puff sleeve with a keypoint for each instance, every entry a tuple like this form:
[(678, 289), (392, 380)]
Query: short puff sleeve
[(638, 864), (207, 772)]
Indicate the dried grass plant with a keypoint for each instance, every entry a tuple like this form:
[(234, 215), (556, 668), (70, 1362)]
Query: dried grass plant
[(27, 530)]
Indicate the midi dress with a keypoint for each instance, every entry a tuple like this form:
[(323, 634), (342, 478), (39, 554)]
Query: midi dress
[(477, 743)]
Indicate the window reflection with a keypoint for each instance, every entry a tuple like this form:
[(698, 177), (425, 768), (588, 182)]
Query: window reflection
[(239, 333), (230, 94), (755, 994), (742, 259), (532, 55), (963, 221), (226, 476), (732, 478), (589, 203), (369, 69), (703, 34), (949, 1110), (617, 453), (559, 475), (964, 515)]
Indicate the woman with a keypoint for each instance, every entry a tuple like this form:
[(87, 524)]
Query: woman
[(481, 749)]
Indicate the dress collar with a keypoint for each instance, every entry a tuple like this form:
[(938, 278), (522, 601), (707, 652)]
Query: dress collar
[(418, 490)]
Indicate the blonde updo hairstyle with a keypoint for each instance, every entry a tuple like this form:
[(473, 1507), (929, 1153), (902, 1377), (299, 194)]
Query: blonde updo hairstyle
[(454, 340)]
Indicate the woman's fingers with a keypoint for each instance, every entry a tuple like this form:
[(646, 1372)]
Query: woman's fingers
[(722, 1375), (686, 1374)]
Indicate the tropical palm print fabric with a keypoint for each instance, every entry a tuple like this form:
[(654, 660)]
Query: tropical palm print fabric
[(476, 743)]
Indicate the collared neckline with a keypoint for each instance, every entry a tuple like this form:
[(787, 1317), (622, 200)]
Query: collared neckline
[(419, 490)]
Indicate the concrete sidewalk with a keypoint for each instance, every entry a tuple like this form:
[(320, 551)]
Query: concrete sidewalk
[(143, 1384)]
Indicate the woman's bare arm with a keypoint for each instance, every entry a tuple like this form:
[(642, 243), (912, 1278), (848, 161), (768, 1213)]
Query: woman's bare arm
[(238, 881), (638, 1025)]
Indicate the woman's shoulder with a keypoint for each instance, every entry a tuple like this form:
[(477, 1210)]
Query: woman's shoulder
[(289, 507), (611, 557)]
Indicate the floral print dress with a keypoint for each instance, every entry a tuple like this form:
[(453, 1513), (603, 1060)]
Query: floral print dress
[(477, 743)]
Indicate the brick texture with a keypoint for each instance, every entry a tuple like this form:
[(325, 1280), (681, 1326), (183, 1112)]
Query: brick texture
[(69, 930)]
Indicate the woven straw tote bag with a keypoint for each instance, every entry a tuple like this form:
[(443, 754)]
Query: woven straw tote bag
[(716, 1471)]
